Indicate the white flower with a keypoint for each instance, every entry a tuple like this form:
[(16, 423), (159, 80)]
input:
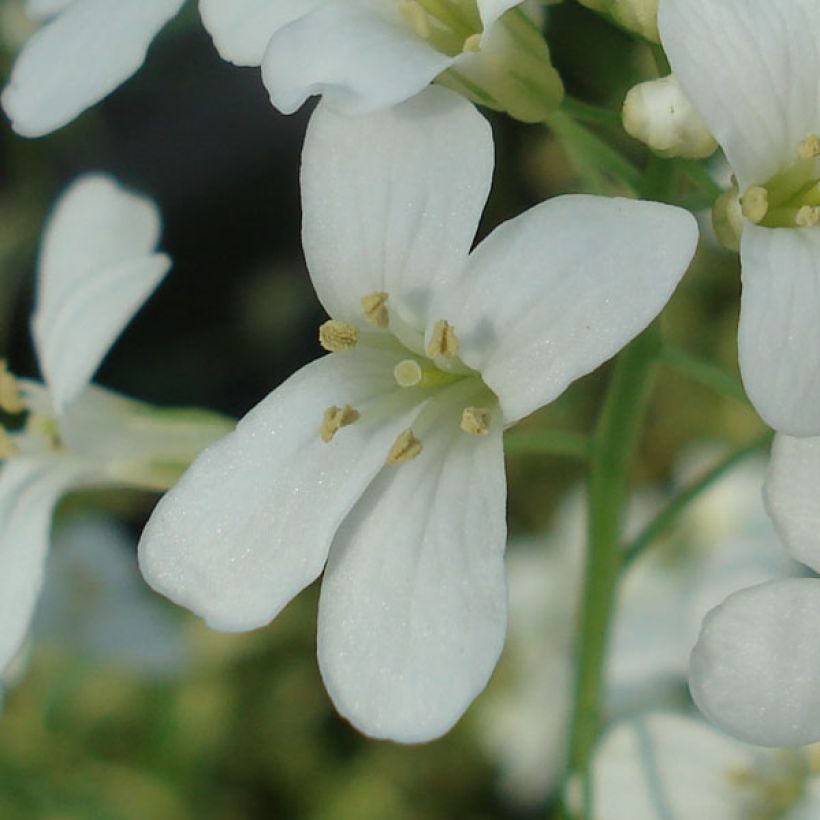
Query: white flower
[(435, 353), (664, 765), (752, 69), (97, 266), (363, 55), (85, 49)]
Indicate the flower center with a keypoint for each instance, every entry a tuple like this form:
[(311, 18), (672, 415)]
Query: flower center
[(449, 26), (790, 199)]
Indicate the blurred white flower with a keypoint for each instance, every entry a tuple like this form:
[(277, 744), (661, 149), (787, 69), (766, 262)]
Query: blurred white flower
[(663, 765), (386, 455), (97, 266), (752, 69)]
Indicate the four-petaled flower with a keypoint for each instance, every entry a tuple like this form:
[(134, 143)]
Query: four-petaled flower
[(384, 459), (97, 267)]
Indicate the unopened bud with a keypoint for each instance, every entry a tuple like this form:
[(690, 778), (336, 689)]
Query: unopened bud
[(640, 16)]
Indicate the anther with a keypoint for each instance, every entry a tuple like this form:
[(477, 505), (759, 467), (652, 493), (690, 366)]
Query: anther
[(7, 445), (374, 306), (472, 43), (475, 421), (416, 17), (338, 336), (809, 148), (807, 217), (10, 399), (407, 373), (335, 418), (405, 448), (755, 204), (444, 341)]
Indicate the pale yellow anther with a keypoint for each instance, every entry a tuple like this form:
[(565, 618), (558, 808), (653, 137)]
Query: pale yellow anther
[(475, 421), (10, 399), (405, 448), (335, 418), (809, 148), (444, 341), (374, 306), (807, 217), (7, 445), (755, 204), (338, 336), (407, 373), (472, 43), (416, 17)]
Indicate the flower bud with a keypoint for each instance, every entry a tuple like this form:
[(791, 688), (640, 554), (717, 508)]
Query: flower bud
[(659, 114), (640, 16)]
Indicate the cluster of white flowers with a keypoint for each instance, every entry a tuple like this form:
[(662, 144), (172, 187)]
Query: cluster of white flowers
[(381, 464)]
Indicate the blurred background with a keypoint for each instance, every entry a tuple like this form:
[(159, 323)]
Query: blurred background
[(123, 706)]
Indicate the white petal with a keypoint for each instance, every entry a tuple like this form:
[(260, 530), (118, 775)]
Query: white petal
[(792, 497), (250, 523), (665, 765), (491, 10), (360, 55), (78, 58), (752, 69), (779, 332), (41, 9), (29, 489), (756, 667), (390, 204), (97, 267), (553, 293), (413, 607), (241, 29)]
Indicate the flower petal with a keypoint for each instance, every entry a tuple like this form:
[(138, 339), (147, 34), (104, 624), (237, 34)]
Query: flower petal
[(97, 267), (241, 29), (778, 326), (78, 58), (391, 204), (250, 523), (359, 54), (412, 614), (752, 69), (553, 293), (29, 489), (41, 9), (491, 10), (665, 765), (756, 666), (791, 496)]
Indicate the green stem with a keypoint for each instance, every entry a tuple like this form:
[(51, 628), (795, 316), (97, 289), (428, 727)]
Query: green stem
[(547, 442), (704, 372), (613, 445), (667, 517)]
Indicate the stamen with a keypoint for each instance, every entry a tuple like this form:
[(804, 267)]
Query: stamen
[(472, 43), (407, 373), (10, 399), (807, 217), (755, 204), (7, 446), (475, 421), (338, 336), (416, 17), (809, 148), (334, 419), (444, 341), (405, 448), (375, 309)]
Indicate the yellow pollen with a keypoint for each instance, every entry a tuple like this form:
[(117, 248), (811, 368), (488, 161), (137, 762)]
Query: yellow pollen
[(444, 341), (416, 17), (755, 204), (338, 336), (335, 418), (375, 308), (405, 448), (407, 373), (475, 421), (807, 217), (10, 399), (7, 446), (809, 148), (472, 43)]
